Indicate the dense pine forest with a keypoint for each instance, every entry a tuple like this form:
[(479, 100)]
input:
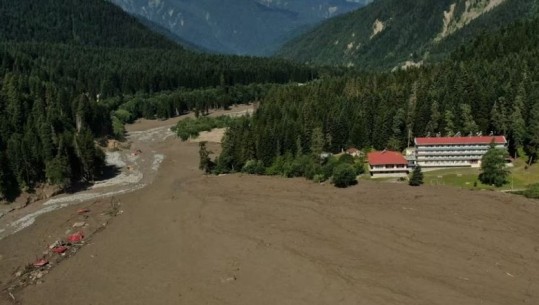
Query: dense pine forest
[(491, 86), (67, 68)]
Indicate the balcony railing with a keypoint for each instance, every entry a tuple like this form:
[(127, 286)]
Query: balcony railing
[(444, 164), (450, 158), (389, 169), (453, 152), (431, 148)]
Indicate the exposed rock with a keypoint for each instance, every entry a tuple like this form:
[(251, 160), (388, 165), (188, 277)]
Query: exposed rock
[(473, 10), (377, 28)]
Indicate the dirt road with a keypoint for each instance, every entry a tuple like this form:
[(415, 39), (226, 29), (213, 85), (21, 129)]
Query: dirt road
[(191, 239)]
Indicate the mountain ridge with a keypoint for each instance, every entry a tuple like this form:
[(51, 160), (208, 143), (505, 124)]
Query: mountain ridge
[(243, 27), (99, 24), (390, 33)]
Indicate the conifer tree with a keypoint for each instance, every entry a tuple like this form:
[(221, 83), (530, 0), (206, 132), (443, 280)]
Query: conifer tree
[(9, 188), (435, 116), (417, 177), (449, 118), (532, 136), (58, 171), (517, 125), (91, 158), (498, 118), (205, 162), (468, 124), (317, 142)]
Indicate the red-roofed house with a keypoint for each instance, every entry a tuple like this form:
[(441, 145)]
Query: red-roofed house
[(454, 151), (387, 164)]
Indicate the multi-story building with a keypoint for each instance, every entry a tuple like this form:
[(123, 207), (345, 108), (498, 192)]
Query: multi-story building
[(387, 164), (454, 151)]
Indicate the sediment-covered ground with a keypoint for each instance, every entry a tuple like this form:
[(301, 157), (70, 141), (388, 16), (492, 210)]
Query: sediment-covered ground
[(185, 238)]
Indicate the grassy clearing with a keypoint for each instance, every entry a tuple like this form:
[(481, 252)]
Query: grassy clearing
[(519, 178), (191, 128)]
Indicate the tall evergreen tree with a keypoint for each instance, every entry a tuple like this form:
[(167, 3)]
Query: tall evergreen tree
[(205, 162), (449, 118), (498, 117), (435, 116), (532, 135), (468, 124), (91, 158), (317, 142), (9, 188), (517, 125), (417, 177), (58, 171)]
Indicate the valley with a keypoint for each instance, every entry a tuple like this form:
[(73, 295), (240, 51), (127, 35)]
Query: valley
[(242, 27), (188, 238), (145, 160)]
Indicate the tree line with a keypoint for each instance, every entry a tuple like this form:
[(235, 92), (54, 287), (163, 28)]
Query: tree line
[(491, 86), (56, 99)]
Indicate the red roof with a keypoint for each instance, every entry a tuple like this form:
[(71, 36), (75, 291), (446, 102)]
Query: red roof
[(460, 140), (386, 157)]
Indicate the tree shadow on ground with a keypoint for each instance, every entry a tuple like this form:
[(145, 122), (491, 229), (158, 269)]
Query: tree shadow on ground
[(109, 172)]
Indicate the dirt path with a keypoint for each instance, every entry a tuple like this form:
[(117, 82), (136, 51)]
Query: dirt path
[(191, 239)]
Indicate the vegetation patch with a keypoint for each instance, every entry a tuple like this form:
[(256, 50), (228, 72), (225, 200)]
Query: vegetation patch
[(191, 128), (532, 191)]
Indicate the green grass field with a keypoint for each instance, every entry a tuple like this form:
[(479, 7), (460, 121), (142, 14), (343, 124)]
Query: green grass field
[(519, 178)]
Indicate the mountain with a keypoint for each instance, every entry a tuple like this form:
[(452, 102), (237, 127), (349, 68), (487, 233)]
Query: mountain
[(77, 22), (389, 33), (169, 35), (243, 27)]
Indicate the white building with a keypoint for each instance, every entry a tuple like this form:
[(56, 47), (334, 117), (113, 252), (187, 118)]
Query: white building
[(454, 151), (387, 164)]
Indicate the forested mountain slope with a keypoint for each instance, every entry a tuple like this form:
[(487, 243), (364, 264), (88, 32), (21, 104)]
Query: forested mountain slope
[(389, 33), (169, 35), (250, 27), (92, 23), (60, 59), (488, 86)]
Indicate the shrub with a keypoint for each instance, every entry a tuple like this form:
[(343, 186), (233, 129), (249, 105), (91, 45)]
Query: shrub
[(277, 167), (124, 116), (329, 166), (359, 166), (532, 191), (318, 178), (253, 167), (344, 175), (346, 158), (312, 169)]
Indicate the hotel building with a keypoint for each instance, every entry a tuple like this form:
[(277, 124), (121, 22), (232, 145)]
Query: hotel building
[(454, 151)]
